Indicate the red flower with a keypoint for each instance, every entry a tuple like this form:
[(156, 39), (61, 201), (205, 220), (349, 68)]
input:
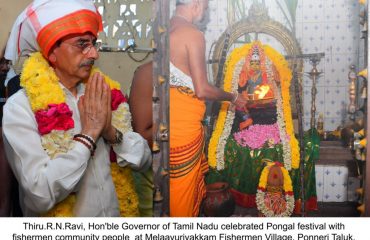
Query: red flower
[(117, 99), (279, 164), (57, 117)]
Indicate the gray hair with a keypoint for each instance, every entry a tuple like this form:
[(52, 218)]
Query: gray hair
[(183, 2)]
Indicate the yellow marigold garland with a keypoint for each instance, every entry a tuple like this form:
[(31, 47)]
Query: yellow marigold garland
[(112, 84), (127, 197), (42, 88), (285, 78), (221, 119), (41, 83), (216, 134), (63, 208), (288, 187)]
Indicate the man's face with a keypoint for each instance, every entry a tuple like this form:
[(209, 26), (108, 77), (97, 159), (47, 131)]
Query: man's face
[(203, 11), (4, 68), (203, 17), (4, 65), (74, 57)]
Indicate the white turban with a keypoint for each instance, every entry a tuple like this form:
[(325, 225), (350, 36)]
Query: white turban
[(44, 22)]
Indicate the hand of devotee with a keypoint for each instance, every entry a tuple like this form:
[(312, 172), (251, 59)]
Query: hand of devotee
[(94, 106), (109, 132), (240, 102)]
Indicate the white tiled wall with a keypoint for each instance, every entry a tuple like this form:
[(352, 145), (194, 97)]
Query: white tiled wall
[(332, 27), (319, 169), (328, 26), (334, 185)]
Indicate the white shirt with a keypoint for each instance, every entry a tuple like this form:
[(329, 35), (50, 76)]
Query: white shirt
[(45, 182)]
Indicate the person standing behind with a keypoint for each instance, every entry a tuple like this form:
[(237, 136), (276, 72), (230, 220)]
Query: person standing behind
[(189, 88), (6, 175), (4, 69), (140, 102), (9, 196)]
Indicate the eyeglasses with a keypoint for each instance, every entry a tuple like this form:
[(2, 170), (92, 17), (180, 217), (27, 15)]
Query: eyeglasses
[(85, 47)]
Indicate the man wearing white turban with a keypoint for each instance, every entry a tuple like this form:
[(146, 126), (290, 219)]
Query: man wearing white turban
[(59, 129)]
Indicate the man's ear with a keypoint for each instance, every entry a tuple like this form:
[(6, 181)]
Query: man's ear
[(52, 58), (195, 7), (196, 4)]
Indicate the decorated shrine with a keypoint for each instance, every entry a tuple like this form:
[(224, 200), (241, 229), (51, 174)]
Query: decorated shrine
[(246, 142)]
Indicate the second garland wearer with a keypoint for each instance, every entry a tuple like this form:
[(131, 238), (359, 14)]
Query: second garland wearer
[(189, 88), (140, 102)]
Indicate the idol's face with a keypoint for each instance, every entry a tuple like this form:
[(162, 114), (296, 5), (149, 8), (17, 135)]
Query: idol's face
[(255, 65)]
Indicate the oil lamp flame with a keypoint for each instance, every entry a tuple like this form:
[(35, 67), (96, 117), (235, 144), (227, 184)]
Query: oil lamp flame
[(261, 91)]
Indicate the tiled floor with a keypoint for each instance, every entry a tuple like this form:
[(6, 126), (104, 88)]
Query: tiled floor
[(335, 209), (325, 209)]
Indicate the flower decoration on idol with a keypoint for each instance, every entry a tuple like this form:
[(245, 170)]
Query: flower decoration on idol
[(238, 70), (56, 127), (258, 136), (254, 75), (274, 196)]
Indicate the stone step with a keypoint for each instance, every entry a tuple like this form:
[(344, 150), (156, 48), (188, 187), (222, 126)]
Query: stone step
[(335, 154), (336, 173)]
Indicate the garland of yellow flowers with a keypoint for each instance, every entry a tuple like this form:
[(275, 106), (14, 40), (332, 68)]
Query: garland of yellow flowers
[(229, 118), (288, 193), (42, 88), (285, 74)]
